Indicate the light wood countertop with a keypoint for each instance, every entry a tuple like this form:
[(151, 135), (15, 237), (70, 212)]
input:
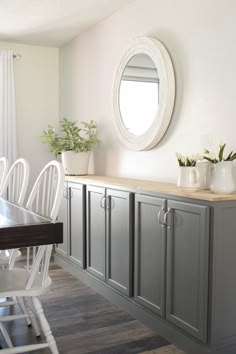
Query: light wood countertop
[(151, 186)]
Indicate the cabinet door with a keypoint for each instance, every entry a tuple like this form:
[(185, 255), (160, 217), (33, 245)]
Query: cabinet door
[(96, 231), (150, 253), (62, 248), (187, 267), (119, 240), (77, 223)]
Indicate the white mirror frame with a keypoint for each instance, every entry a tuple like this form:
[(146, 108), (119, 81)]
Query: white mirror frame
[(159, 55)]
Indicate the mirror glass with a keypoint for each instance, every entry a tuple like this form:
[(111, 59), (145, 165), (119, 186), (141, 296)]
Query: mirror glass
[(139, 94)]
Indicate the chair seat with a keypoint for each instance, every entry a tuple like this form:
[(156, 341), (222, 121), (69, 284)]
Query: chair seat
[(13, 282)]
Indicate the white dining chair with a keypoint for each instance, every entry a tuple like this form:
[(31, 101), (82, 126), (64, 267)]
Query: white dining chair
[(4, 166), (33, 280), (14, 189), (16, 182)]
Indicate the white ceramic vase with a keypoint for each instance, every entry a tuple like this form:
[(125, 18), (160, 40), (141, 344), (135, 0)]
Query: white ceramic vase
[(222, 178), (75, 163), (205, 171), (189, 178)]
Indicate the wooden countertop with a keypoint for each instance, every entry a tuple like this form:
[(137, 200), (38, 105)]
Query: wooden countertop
[(151, 186)]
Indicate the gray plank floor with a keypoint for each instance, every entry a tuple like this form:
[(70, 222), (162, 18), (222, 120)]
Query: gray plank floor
[(83, 321)]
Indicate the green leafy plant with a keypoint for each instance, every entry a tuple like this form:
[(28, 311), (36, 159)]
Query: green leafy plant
[(188, 161), (72, 137), (213, 158)]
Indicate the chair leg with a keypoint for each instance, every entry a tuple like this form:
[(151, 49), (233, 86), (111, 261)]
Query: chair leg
[(6, 336), (23, 309), (30, 312), (45, 325)]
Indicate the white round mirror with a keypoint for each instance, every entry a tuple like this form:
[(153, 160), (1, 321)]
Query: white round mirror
[(143, 94)]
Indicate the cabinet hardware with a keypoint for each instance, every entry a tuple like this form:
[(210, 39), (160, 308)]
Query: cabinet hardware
[(166, 218), (160, 215), (102, 202), (66, 193)]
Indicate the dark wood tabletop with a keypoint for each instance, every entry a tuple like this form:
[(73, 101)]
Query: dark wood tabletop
[(22, 228)]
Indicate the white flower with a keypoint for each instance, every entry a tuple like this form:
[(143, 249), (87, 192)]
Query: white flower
[(221, 143), (178, 155), (205, 151), (212, 156), (198, 157), (183, 159)]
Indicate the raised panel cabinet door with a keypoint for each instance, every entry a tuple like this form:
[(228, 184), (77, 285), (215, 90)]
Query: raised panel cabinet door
[(187, 267), (62, 248), (96, 233), (119, 207), (150, 253), (77, 223)]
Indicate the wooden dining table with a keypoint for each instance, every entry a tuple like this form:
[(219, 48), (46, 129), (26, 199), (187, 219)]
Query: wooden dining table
[(20, 227)]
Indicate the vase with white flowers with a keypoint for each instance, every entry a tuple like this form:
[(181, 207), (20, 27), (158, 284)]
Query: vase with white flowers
[(73, 143), (189, 176), (222, 181)]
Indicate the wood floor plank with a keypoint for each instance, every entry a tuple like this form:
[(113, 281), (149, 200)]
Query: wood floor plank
[(105, 337), (83, 322), (169, 349), (134, 347)]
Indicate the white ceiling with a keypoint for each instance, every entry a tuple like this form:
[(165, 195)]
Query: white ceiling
[(51, 22)]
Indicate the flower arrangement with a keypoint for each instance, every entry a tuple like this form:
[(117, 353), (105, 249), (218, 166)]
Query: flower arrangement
[(213, 158), (188, 161)]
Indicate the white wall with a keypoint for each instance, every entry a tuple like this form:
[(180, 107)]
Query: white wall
[(36, 81), (200, 36)]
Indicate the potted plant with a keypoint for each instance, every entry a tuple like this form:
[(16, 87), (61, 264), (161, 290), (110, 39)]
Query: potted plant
[(73, 143), (189, 177)]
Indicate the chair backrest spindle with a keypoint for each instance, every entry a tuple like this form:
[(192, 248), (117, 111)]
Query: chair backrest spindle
[(4, 165), (15, 185), (45, 197)]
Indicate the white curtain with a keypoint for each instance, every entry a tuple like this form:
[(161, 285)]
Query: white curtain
[(8, 141)]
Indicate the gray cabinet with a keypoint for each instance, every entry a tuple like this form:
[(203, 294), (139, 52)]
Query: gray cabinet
[(223, 302), (187, 267), (150, 254), (96, 233), (110, 236), (171, 250), (62, 248), (119, 240), (171, 261), (72, 214), (182, 258), (76, 224)]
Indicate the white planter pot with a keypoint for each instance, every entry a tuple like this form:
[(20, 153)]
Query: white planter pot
[(75, 163), (205, 170), (189, 178), (222, 179)]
